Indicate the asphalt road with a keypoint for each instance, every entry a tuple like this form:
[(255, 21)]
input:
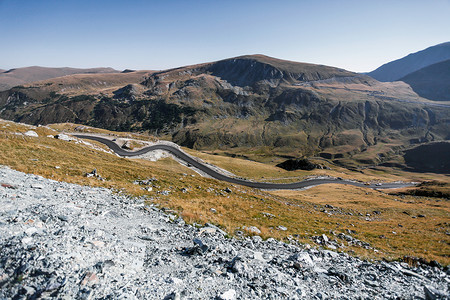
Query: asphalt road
[(260, 185)]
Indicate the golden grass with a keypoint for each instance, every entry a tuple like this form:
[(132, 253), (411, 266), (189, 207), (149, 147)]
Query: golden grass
[(417, 236), (192, 196), (70, 127)]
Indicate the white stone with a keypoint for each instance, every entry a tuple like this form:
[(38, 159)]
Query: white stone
[(304, 259), (228, 295), (252, 229), (31, 133), (63, 137), (258, 256), (27, 240), (176, 281), (31, 230)]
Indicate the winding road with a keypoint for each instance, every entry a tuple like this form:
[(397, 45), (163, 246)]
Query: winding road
[(260, 185)]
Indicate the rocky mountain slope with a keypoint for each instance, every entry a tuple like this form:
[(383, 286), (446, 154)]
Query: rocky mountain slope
[(432, 82), (14, 77), (399, 68), (68, 241), (243, 103)]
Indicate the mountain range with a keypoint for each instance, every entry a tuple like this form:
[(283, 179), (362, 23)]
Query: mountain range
[(253, 106), (397, 69), (426, 71), (432, 82), (14, 77)]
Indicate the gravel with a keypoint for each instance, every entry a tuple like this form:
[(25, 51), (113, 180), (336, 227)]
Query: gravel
[(75, 242)]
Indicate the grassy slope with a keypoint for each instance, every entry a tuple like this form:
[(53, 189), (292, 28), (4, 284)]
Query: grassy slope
[(299, 211)]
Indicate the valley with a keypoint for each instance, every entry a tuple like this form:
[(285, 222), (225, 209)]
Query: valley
[(301, 170)]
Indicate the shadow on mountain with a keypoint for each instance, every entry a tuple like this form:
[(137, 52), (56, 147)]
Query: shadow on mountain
[(432, 158)]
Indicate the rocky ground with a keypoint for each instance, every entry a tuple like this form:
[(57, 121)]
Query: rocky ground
[(73, 242)]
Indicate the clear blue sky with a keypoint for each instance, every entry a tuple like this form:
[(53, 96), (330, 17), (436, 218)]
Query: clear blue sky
[(355, 35)]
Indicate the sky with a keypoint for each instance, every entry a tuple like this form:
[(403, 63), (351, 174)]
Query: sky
[(154, 35)]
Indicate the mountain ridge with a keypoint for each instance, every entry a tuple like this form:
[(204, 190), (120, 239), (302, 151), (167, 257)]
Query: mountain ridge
[(431, 82), (412, 62), (242, 103), (18, 76)]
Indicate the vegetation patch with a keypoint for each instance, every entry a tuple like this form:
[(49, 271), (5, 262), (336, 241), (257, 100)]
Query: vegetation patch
[(299, 164)]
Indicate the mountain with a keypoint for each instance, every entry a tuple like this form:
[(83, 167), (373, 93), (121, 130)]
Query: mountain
[(19, 76), (399, 68), (432, 82), (243, 106)]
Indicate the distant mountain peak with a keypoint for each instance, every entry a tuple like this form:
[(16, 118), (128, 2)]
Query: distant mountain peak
[(399, 68), (246, 70)]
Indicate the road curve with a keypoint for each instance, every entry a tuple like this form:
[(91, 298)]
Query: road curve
[(260, 185)]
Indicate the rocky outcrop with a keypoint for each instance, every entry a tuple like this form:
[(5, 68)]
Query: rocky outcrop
[(63, 240)]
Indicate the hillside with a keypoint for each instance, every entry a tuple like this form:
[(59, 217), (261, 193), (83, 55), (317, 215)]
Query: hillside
[(19, 76), (432, 82), (357, 220), (399, 68), (255, 106)]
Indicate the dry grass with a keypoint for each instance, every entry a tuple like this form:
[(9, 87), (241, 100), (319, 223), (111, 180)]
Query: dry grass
[(192, 196), (70, 127), (395, 231)]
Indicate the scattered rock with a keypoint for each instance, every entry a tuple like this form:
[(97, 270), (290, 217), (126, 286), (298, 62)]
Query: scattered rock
[(173, 296), (90, 278), (94, 174), (145, 181), (63, 218), (30, 231), (434, 294), (98, 244), (67, 241), (268, 215), (282, 228), (237, 265), (8, 186), (302, 260)]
